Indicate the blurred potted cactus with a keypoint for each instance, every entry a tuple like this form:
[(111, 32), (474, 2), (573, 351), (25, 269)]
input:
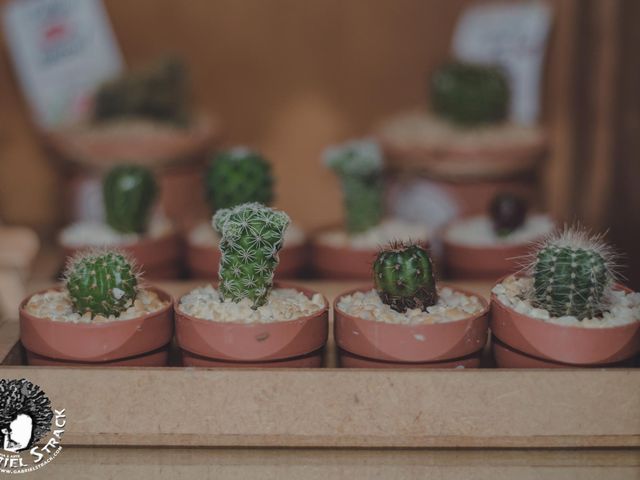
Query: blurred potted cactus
[(407, 319), (102, 315), (129, 193), (489, 246), (245, 320), (236, 176), (566, 307), (348, 252)]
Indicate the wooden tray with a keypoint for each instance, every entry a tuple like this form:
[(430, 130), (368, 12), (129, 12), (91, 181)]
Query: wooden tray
[(331, 407)]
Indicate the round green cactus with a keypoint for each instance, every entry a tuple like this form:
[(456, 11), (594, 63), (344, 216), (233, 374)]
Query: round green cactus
[(469, 95), (572, 272), (102, 282), (508, 213), (403, 277), (252, 235), (359, 165), (238, 176), (129, 192)]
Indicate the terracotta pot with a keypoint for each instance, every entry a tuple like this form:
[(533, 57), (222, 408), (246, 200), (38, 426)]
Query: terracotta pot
[(254, 342), (160, 258), (203, 261), (348, 360), (410, 343), (561, 343), (159, 358), (99, 342), (311, 360)]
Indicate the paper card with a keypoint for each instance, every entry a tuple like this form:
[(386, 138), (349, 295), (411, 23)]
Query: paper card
[(513, 35), (61, 50)]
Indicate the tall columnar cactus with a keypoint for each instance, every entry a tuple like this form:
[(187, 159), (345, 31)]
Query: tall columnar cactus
[(252, 236), (403, 277), (508, 213), (238, 176), (102, 282), (572, 271), (157, 92), (359, 165), (129, 192), (469, 94)]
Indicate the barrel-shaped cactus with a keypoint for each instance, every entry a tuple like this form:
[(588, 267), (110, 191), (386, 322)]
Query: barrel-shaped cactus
[(572, 272), (359, 165), (403, 277), (508, 213), (468, 94), (102, 282), (129, 192), (251, 237), (238, 176)]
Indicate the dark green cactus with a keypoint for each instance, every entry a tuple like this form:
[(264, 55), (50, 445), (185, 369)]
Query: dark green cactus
[(359, 165), (572, 271), (403, 277), (238, 176), (102, 282), (469, 95), (129, 192), (508, 213), (156, 92), (252, 235)]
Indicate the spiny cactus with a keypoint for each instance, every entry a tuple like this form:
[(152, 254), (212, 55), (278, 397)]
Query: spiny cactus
[(403, 277), (102, 282), (157, 92), (252, 236), (238, 176), (129, 192), (469, 94), (359, 165), (508, 213), (572, 271)]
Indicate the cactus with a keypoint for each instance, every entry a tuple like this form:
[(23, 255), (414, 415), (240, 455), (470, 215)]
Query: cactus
[(508, 213), (252, 236), (572, 271), (469, 95), (157, 92), (238, 176), (359, 165), (403, 277), (129, 192), (102, 282)]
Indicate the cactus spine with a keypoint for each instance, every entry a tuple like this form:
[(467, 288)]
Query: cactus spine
[(469, 95), (129, 192), (252, 236), (403, 277), (572, 272), (102, 282), (238, 176), (359, 165), (508, 213)]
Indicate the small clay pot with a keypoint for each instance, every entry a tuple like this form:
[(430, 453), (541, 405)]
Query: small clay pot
[(419, 343), (203, 261), (97, 342), (311, 360), (349, 360), (564, 343), (159, 258), (253, 342), (159, 358)]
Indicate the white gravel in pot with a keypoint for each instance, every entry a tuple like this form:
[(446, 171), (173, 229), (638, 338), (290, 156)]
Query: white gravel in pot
[(516, 292), (203, 235), (56, 305), (477, 231), (284, 304), (95, 234), (452, 305), (387, 231)]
